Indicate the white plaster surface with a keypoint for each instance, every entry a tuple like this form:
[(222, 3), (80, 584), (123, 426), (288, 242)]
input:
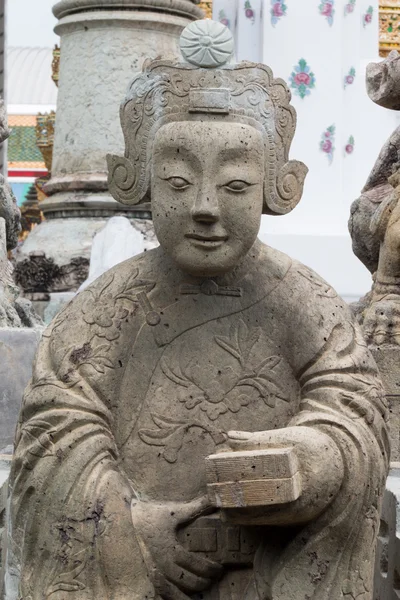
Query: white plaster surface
[(116, 242)]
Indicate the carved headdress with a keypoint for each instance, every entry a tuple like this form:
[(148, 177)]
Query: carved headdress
[(207, 86)]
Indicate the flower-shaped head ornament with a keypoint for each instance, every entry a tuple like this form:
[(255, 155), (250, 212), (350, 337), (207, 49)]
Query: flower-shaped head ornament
[(207, 86), (207, 44)]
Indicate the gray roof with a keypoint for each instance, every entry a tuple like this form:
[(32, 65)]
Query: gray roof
[(28, 74)]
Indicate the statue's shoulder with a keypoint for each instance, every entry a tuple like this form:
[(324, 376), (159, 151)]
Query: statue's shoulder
[(109, 306), (300, 286), (309, 283)]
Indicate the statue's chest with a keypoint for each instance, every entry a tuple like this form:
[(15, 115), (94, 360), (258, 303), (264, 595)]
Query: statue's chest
[(224, 375)]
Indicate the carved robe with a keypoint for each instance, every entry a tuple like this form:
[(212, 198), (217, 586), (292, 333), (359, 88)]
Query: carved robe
[(140, 378)]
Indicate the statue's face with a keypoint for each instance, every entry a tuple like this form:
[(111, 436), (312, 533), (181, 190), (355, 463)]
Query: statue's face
[(207, 193)]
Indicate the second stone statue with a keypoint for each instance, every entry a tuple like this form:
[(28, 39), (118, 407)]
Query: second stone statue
[(205, 420)]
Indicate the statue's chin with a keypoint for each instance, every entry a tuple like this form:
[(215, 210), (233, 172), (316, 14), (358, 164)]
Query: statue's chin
[(207, 268), (207, 263), (205, 273)]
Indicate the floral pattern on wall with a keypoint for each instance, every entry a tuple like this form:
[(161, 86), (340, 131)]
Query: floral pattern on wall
[(349, 148), (223, 18), (249, 12), (326, 8), (349, 78), (367, 18), (349, 7), (278, 10), (327, 143), (302, 80)]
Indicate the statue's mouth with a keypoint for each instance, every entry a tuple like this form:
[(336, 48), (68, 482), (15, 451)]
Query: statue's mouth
[(206, 241)]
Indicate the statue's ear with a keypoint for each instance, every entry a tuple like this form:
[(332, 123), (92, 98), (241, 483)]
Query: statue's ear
[(122, 179), (289, 189)]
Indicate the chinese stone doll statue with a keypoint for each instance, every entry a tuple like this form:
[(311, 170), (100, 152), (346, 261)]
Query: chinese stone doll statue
[(205, 420)]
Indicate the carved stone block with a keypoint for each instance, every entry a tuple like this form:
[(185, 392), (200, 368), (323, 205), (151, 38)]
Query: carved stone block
[(253, 478)]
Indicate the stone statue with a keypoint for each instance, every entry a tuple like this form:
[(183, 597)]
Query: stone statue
[(375, 229), (205, 420), (14, 310), (375, 214)]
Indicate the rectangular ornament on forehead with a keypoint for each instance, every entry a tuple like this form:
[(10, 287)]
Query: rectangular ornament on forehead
[(210, 101)]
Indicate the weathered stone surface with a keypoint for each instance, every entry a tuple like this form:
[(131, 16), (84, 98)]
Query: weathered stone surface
[(17, 350), (375, 229), (387, 358), (5, 465), (383, 81), (211, 343), (387, 565), (181, 7)]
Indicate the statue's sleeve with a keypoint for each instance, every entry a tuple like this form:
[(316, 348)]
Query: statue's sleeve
[(341, 397), (71, 527)]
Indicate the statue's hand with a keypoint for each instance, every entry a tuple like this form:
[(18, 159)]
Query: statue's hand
[(176, 572), (382, 321)]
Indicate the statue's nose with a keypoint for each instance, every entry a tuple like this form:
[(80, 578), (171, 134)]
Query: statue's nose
[(205, 209)]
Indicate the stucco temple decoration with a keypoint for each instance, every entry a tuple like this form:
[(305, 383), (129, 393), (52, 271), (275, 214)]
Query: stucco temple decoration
[(389, 26)]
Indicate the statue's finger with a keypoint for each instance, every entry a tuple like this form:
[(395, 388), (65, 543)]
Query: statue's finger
[(192, 510), (239, 440), (198, 564), (395, 338), (183, 579), (166, 590)]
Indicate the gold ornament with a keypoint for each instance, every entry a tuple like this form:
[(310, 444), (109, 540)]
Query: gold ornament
[(207, 7), (389, 26)]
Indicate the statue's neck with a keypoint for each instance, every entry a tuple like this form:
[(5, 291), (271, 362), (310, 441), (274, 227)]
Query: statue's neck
[(247, 266)]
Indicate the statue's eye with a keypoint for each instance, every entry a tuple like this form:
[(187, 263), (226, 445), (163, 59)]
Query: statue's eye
[(179, 183), (237, 186)]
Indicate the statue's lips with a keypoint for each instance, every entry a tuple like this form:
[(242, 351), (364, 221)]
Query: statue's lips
[(206, 241)]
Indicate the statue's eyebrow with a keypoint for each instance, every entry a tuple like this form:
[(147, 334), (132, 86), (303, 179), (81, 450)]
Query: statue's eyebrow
[(235, 153), (178, 148)]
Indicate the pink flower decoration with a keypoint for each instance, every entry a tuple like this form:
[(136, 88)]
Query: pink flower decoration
[(302, 78), (327, 10), (327, 143), (277, 10), (349, 148), (327, 146)]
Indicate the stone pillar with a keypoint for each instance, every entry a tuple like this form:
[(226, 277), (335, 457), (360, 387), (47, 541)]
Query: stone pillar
[(103, 44)]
